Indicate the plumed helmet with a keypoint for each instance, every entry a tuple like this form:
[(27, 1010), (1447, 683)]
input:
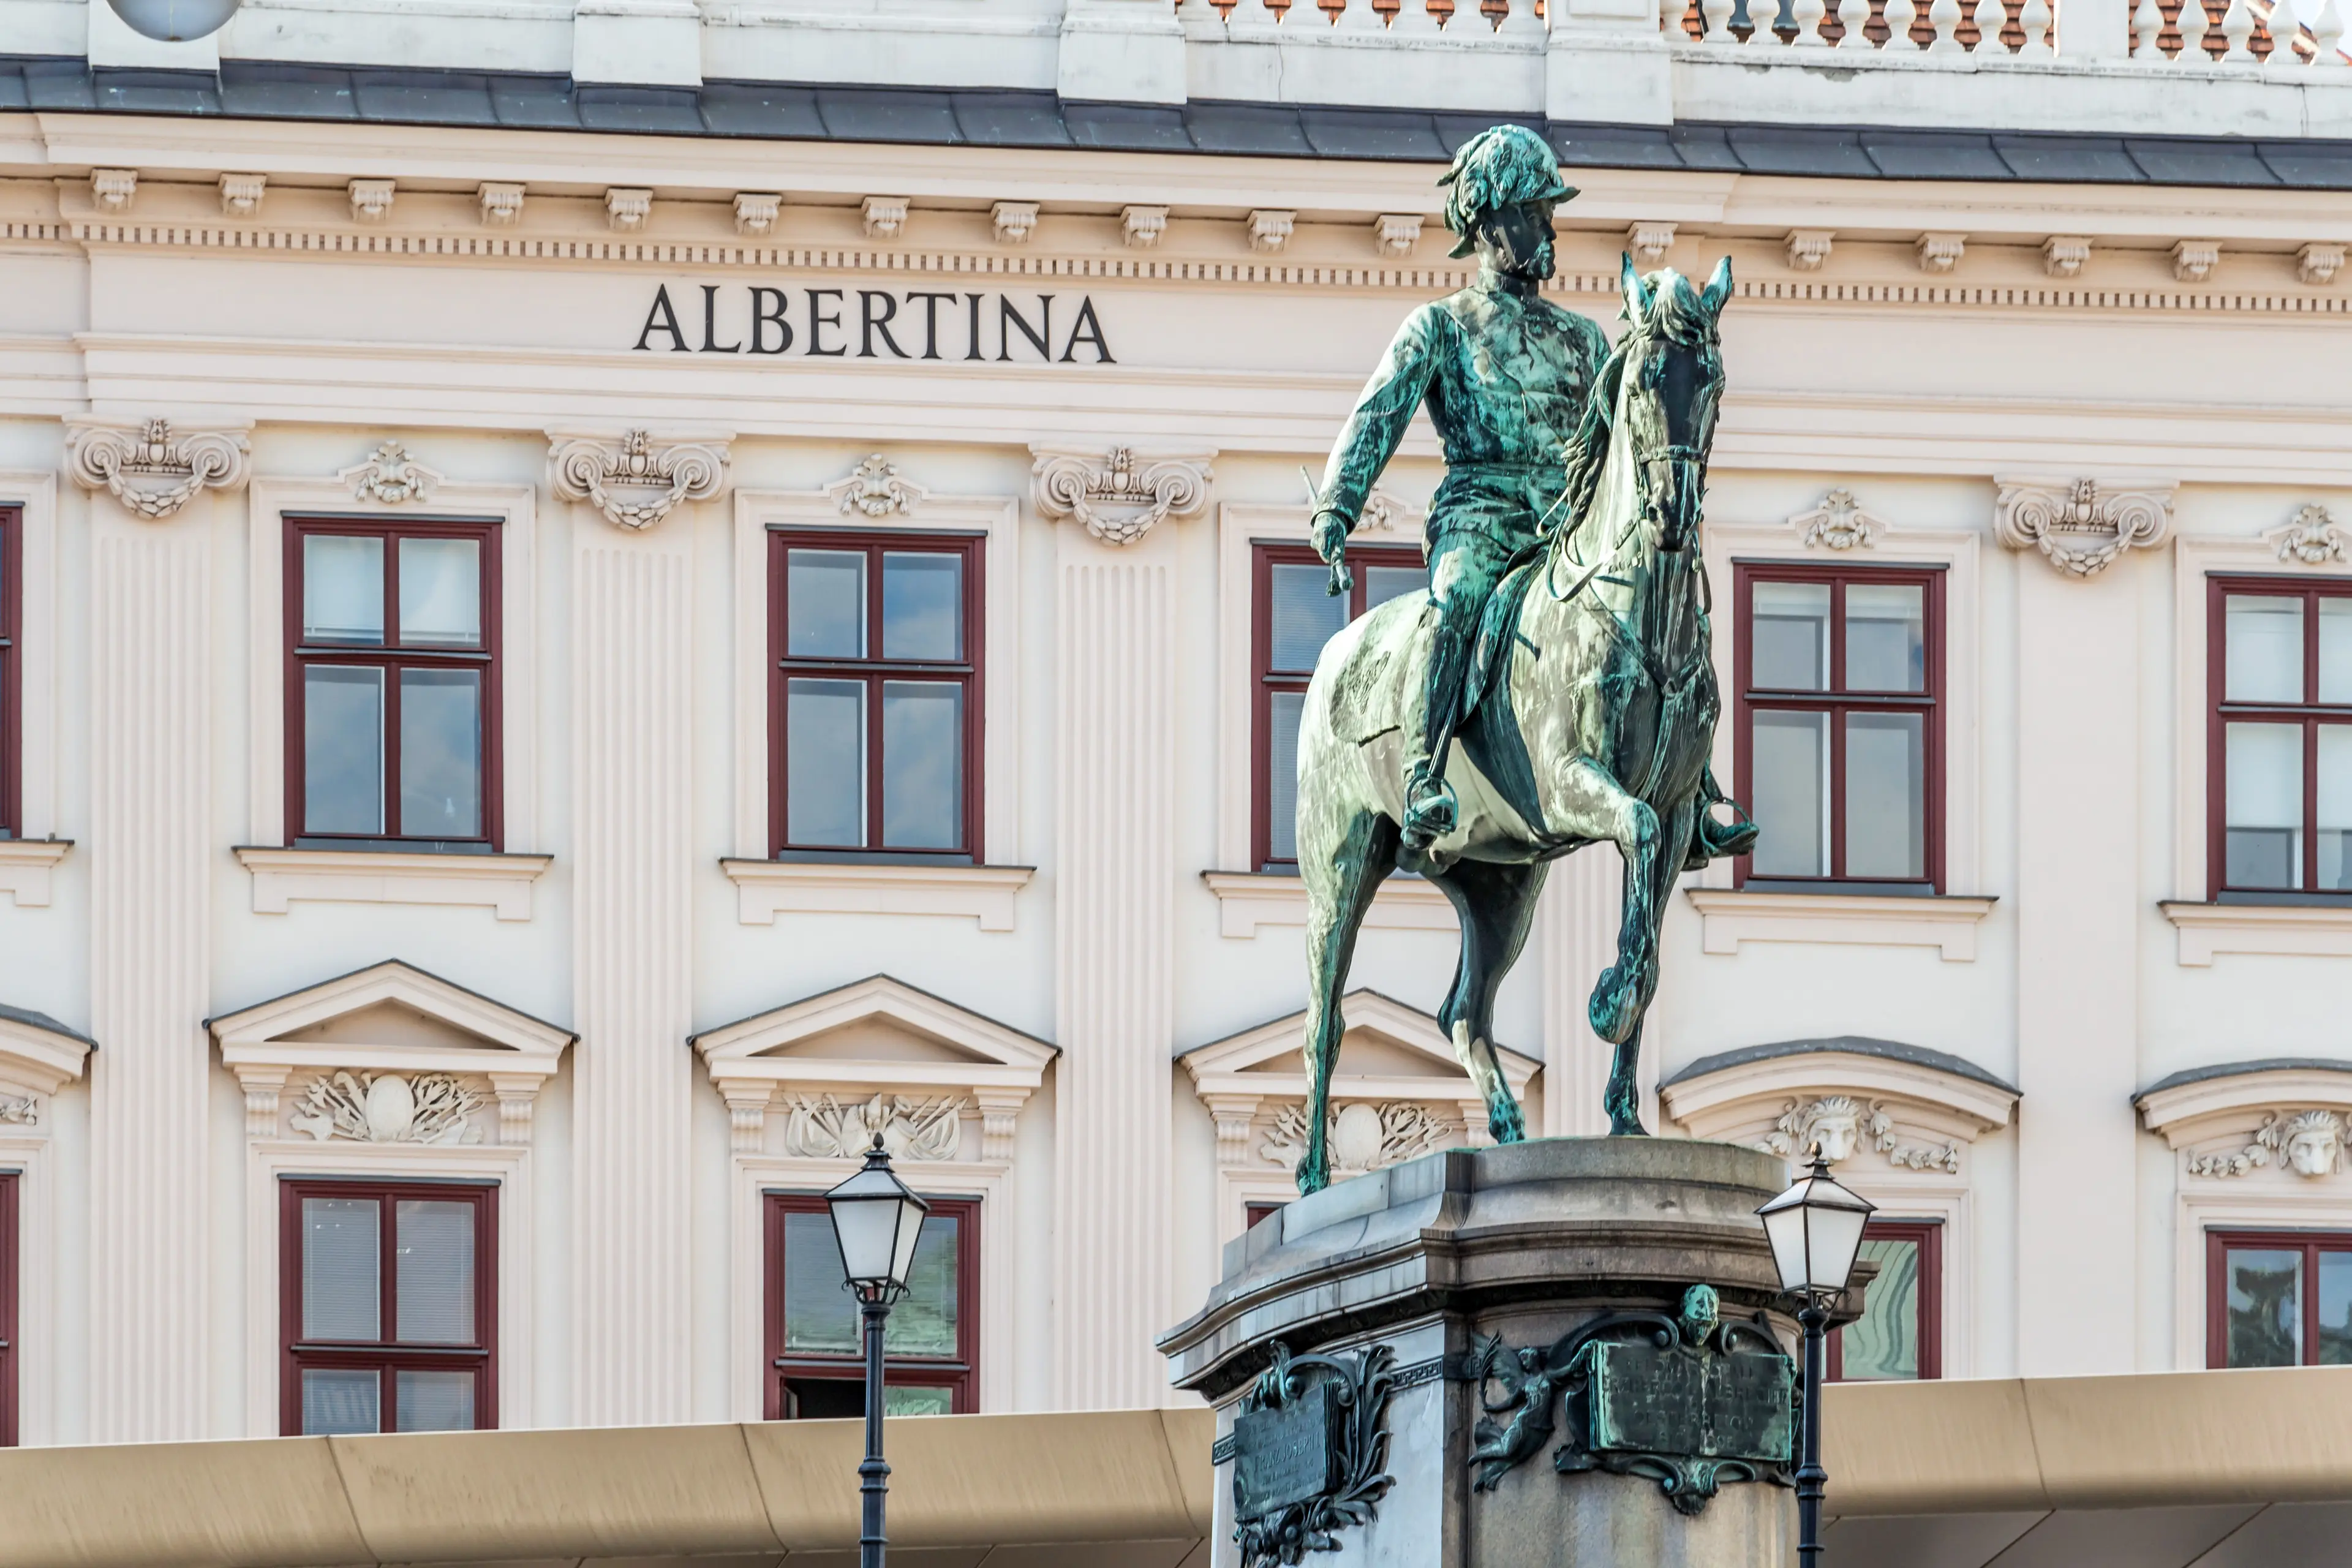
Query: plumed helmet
[(1499, 167)]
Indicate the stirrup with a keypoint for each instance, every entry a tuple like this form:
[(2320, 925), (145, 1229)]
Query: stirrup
[(1429, 811)]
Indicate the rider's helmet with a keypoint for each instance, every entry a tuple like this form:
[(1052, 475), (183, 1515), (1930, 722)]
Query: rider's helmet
[(1500, 166)]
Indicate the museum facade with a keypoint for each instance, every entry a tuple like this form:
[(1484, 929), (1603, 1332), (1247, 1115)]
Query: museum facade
[(594, 609)]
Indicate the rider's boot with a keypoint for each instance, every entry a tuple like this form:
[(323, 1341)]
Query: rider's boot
[(1431, 810), (1718, 840)]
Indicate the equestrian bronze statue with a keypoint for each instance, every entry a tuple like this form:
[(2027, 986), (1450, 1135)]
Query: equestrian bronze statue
[(1556, 687)]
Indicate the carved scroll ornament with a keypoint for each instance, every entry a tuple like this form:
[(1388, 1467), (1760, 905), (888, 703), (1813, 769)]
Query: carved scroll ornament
[(391, 477), (637, 483), (1839, 523), (876, 489), (1120, 496), (2312, 539), (151, 469), (2083, 526)]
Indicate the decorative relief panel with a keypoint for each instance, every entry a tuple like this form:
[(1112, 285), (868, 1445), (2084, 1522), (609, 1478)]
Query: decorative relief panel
[(1362, 1136), (2311, 539), (1386, 512), (1839, 523), (876, 489), (2304, 1143), (637, 481), (822, 1128), (151, 467), (2083, 526), (1840, 1126), (391, 477), (23, 1111), (389, 1107), (1121, 495)]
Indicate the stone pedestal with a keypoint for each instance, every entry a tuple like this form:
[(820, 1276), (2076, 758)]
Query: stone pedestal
[(1545, 1291)]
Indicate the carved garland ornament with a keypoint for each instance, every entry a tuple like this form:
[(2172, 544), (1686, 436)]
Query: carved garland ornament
[(21, 1110), (1838, 1125), (1839, 523), (154, 470), (1118, 497), (1385, 512), (876, 489), (2308, 1142), (2082, 526), (391, 476), (822, 1128), (389, 1107), (2312, 538), (1361, 1137), (635, 484)]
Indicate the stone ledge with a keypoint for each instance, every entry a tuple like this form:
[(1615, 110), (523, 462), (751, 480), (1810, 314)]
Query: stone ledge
[(26, 865), (1249, 899), (1944, 921), (766, 888), (2281, 931), (501, 883)]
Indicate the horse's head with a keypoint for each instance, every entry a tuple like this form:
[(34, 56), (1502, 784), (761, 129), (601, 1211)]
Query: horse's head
[(1673, 384)]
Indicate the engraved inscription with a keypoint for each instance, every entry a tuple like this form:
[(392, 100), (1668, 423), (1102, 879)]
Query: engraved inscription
[(1285, 1454)]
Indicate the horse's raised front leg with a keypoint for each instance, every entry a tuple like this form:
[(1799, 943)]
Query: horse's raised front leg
[(1622, 1100), (1597, 806), (1497, 905), (1343, 866)]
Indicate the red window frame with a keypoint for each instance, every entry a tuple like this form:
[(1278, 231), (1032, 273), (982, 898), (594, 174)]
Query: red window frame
[(2310, 1243), (12, 712), (1265, 680), (960, 1375), (1928, 1236), (873, 670), (386, 1356), (393, 658), (2310, 714), (11, 1276), (1253, 1213), (1839, 703)]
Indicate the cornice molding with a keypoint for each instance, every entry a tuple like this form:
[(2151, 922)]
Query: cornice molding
[(153, 468)]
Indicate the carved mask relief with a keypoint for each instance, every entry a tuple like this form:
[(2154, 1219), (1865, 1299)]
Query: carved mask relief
[(2306, 1143), (1840, 1126)]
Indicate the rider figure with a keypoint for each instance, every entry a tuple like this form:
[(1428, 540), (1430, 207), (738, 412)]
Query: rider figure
[(1505, 376)]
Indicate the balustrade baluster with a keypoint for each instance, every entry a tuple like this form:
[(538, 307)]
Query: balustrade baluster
[(1900, 15), (1522, 23), (1808, 14), (1254, 14), (1854, 15), (1355, 16), (2147, 26), (1990, 16), (1944, 16), (2193, 24), (1716, 14), (2238, 26), (1413, 19), (2327, 35), (2035, 20)]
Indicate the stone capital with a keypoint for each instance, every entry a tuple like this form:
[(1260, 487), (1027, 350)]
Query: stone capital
[(1118, 495), (637, 480), (2083, 525), (152, 466)]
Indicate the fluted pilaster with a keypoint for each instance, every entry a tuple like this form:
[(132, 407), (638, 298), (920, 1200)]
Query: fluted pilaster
[(633, 723), (1114, 862), (1576, 934)]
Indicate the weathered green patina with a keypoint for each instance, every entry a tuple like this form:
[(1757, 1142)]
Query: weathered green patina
[(1690, 1402), (1309, 1452), (1585, 709)]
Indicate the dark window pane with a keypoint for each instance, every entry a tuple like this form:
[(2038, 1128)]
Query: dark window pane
[(1886, 636), (343, 589), (2335, 807), (1790, 759), (1382, 583), (343, 749), (338, 1401), (433, 1401), (819, 1314), (433, 1275), (922, 764), (343, 1272), (843, 1399), (440, 753), (441, 592), (1886, 795), (924, 1320), (824, 614), (923, 605), (2264, 639), (825, 746), (1884, 1343), (2265, 1306), (2334, 1308), (2262, 846), (1304, 616), (1282, 775), (1790, 637)]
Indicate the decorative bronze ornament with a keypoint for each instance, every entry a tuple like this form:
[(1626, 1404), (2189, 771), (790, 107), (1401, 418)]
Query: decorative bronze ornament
[(1307, 1452)]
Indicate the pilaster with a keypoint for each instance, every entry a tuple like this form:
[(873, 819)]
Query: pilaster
[(149, 754), (1577, 939), (632, 818)]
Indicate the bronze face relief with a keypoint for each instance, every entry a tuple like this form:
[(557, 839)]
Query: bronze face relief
[(1556, 687)]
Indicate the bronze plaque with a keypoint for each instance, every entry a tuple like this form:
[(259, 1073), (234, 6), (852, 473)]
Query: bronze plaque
[(1285, 1454), (1647, 1400)]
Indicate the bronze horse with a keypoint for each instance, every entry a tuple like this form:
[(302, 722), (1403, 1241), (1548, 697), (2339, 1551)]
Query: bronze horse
[(1592, 717)]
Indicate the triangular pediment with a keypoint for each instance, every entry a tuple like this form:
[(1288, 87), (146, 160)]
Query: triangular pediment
[(38, 1053), (877, 1031), (1388, 1048), (390, 1016)]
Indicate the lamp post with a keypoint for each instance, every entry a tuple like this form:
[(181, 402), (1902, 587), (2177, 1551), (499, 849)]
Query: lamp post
[(1815, 1229), (876, 1219)]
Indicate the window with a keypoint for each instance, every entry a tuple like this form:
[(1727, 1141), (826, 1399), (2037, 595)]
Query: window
[(391, 691), (2278, 1299), (10, 1182), (1293, 616), (1254, 1213), (1900, 1332), (816, 1366), (388, 1306), (1840, 736), (875, 712), (2279, 743), (12, 723)]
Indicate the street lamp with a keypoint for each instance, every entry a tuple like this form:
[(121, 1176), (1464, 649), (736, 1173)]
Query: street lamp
[(1815, 1229), (175, 21), (876, 1219)]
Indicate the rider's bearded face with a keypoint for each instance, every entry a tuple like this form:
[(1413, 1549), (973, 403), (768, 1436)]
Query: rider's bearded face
[(1516, 240)]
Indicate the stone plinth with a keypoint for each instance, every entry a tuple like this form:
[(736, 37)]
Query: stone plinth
[(1406, 1277)]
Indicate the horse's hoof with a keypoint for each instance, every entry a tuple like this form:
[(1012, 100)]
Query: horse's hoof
[(1627, 1127), (1312, 1182), (1510, 1129)]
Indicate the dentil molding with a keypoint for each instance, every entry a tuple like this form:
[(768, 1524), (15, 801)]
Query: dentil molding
[(1121, 495), (637, 481), (2083, 525), (153, 468)]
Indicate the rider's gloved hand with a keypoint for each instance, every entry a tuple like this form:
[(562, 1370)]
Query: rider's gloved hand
[(1330, 535)]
